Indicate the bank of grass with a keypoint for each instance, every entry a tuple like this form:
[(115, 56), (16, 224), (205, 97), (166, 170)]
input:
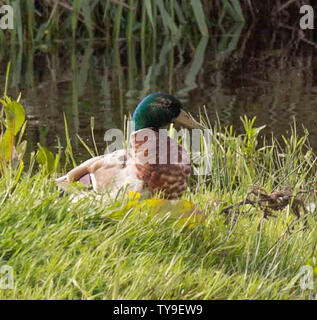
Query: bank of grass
[(64, 250)]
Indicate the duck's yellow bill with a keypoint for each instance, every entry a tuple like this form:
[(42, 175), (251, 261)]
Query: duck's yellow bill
[(186, 121)]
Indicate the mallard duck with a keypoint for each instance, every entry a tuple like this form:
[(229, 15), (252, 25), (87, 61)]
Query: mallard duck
[(155, 163)]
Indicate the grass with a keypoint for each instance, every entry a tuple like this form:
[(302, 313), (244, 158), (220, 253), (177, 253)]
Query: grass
[(57, 252), (65, 250)]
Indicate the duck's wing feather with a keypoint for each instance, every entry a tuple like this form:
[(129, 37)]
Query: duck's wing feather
[(80, 172), (112, 171)]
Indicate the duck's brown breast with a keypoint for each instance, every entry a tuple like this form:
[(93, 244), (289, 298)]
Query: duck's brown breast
[(161, 162)]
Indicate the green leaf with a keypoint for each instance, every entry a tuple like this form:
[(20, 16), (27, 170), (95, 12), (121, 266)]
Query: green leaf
[(19, 173), (179, 13), (86, 146), (75, 15), (86, 10), (200, 16), (7, 78), (15, 116), (167, 20), (46, 158), (40, 31), (148, 6), (237, 7), (6, 145)]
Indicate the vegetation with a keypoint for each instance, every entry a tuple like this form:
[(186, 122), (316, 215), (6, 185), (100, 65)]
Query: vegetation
[(53, 20), (94, 248), (61, 248), (232, 72)]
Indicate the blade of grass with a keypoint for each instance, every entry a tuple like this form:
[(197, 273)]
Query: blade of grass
[(200, 16)]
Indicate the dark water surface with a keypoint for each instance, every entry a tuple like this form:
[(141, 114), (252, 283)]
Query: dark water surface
[(259, 72)]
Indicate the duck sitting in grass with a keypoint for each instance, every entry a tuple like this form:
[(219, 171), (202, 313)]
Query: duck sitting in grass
[(155, 163)]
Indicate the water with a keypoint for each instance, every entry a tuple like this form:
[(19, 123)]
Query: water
[(270, 76)]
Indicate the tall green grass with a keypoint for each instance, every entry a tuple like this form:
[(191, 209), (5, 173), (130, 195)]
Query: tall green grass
[(48, 21), (77, 18), (60, 249), (52, 20)]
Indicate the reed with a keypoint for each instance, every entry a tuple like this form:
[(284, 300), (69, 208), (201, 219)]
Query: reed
[(51, 20), (65, 19)]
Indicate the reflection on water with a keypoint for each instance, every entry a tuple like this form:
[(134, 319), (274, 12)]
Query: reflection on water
[(272, 76)]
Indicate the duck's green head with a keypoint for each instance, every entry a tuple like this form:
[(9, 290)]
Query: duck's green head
[(157, 110)]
